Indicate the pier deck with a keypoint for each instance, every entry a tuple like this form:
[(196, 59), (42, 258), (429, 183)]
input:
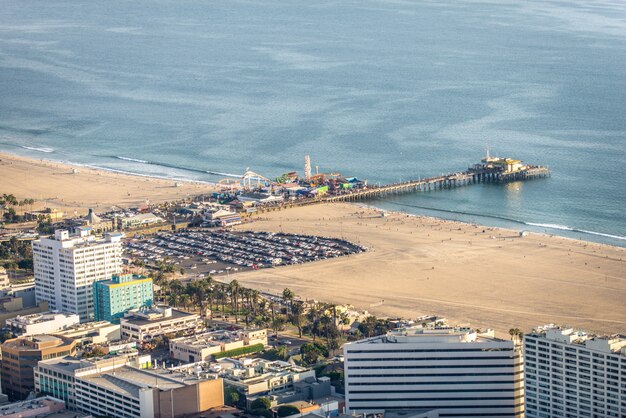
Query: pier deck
[(446, 181)]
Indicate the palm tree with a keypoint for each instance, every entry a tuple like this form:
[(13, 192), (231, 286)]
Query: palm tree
[(288, 296), (234, 294), (185, 300), (516, 334), (254, 300), (220, 295), (313, 317), (297, 316)]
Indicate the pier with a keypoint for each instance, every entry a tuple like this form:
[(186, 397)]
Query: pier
[(479, 173), (332, 187)]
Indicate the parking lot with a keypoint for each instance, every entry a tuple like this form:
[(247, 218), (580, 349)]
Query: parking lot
[(224, 252)]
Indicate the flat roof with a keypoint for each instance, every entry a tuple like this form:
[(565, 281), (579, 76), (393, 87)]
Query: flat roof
[(139, 320), (214, 338), (129, 381), (67, 364)]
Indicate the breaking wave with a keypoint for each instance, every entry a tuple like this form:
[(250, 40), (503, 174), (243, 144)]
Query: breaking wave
[(38, 149), (517, 221)]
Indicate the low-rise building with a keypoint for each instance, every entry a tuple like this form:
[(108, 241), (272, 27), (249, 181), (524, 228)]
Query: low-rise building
[(21, 355), (571, 373), (46, 406), (222, 217), (57, 376), (260, 377), (114, 297), (49, 214), (201, 347), (4, 279), (115, 388), (12, 306), (99, 332), (41, 323), (139, 220), (25, 289), (147, 323)]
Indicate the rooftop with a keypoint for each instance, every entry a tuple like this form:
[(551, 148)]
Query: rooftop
[(213, 338), (142, 217), (123, 279), (46, 406), (38, 318), (154, 315), (87, 326), (69, 365), (614, 343), (130, 381), (433, 335), (37, 342)]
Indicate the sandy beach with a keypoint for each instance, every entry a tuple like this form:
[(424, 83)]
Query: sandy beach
[(56, 185), (485, 277), (471, 274)]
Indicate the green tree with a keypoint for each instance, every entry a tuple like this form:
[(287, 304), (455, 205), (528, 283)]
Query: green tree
[(297, 317), (278, 353), (231, 396), (234, 296), (287, 410), (288, 296), (372, 326), (311, 352), (261, 403)]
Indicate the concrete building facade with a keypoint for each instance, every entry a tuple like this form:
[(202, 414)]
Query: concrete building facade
[(67, 266), (21, 355), (456, 371), (146, 324), (114, 297), (43, 407), (261, 377), (115, 388), (12, 306), (574, 374), (100, 332), (41, 323), (201, 347)]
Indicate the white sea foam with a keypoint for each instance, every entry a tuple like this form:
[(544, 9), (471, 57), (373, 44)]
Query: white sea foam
[(551, 226), (136, 160), (583, 231), (38, 149), (603, 234), (217, 173)]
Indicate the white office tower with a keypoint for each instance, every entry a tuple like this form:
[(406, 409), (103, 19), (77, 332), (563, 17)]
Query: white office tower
[(66, 267), (456, 371), (573, 374)]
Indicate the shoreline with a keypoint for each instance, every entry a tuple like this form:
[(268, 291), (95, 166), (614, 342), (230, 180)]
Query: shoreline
[(601, 237), (474, 224), (415, 264), (78, 187)]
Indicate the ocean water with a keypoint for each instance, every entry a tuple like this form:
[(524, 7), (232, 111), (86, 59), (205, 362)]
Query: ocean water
[(380, 89)]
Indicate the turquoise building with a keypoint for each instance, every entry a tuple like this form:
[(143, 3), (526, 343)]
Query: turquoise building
[(112, 298)]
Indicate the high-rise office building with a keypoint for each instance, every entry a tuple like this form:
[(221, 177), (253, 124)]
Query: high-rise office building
[(574, 374), (456, 371), (67, 266), (114, 297)]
